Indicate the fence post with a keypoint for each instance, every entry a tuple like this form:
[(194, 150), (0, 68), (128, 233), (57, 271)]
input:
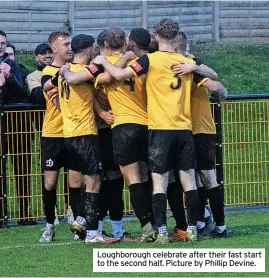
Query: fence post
[(216, 25), (144, 14), (4, 160), (219, 156), (71, 15)]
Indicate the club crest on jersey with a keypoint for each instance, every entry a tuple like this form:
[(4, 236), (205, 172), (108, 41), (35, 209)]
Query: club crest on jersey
[(136, 67), (93, 68), (49, 163)]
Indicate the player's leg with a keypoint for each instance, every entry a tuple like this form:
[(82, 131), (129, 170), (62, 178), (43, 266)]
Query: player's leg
[(111, 187), (202, 204), (206, 155), (146, 179), (51, 163), (76, 187), (161, 160), (208, 178), (84, 151), (76, 182), (104, 204), (187, 164), (126, 150), (175, 200)]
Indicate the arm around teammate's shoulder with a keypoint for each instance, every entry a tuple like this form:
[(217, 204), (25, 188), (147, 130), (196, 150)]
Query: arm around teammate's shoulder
[(115, 72), (216, 87)]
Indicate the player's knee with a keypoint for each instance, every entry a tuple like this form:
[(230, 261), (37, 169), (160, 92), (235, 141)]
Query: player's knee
[(93, 183), (76, 179), (51, 179), (50, 184), (208, 179), (188, 180)]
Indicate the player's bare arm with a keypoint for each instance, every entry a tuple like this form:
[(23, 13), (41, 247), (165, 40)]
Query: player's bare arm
[(107, 116), (188, 67), (106, 78), (115, 72), (217, 88), (75, 77)]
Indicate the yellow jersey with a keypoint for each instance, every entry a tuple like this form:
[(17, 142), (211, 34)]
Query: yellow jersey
[(76, 102), (202, 120), (53, 121), (128, 99), (168, 94)]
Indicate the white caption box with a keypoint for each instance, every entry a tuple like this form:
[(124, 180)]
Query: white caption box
[(178, 260)]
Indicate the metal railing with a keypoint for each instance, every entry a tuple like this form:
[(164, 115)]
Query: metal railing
[(242, 157)]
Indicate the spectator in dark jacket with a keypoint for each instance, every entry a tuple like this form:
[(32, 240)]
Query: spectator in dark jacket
[(18, 131), (11, 51)]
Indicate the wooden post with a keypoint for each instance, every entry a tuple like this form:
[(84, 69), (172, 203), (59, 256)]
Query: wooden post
[(216, 26), (71, 15), (144, 14)]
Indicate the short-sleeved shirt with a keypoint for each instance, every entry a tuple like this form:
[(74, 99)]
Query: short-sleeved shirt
[(168, 94), (76, 102), (53, 121), (128, 99)]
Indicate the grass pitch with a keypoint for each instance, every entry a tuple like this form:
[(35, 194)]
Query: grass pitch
[(22, 255)]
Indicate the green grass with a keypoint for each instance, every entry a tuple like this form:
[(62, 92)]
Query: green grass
[(22, 255), (241, 68)]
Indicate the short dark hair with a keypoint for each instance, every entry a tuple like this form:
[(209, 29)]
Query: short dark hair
[(141, 37), (81, 42), (101, 38), (12, 46), (115, 37), (167, 28), (55, 35), (2, 33)]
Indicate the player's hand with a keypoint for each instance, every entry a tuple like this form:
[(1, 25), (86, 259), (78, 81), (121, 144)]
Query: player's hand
[(129, 55), (63, 69), (108, 117), (204, 66), (183, 68), (217, 97), (5, 68), (98, 60), (52, 92)]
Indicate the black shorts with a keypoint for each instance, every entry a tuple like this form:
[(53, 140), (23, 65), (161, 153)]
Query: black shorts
[(171, 149), (130, 143), (84, 153), (108, 159), (205, 146), (54, 154)]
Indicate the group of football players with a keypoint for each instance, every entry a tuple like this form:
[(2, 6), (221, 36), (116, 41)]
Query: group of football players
[(131, 109)]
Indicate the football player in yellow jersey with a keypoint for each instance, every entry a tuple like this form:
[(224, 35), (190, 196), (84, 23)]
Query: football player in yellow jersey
[(80, 134), (204, 131), (111, 192), (170, 137), (129, 131), (53, 150)]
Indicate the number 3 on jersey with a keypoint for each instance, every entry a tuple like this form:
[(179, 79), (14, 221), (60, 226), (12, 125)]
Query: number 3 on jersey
[(65, 89), (175, 85)]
